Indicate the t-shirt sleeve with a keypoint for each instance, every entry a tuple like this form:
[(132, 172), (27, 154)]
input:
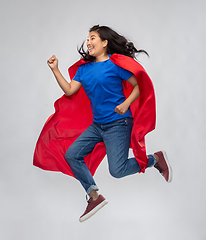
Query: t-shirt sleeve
[(124, 74), (77, 76)]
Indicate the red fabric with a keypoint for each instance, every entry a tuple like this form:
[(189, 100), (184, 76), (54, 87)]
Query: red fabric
[(73, 115)]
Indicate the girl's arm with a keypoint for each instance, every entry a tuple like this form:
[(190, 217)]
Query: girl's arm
[(122, 108), (68, 88)]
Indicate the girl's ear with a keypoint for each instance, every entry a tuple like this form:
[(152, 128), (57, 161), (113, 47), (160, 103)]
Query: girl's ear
[(105, 43)]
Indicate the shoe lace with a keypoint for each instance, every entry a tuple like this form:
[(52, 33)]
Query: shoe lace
[(159, 167)]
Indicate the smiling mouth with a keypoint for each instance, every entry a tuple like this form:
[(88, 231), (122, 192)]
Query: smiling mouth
[(90, 49)]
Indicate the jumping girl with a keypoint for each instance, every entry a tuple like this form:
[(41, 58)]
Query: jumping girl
[(122, 112)]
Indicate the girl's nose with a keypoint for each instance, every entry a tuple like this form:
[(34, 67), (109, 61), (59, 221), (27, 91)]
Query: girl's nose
[(88, 41)]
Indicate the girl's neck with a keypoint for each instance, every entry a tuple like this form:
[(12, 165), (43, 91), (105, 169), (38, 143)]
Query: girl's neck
[(101, 58)]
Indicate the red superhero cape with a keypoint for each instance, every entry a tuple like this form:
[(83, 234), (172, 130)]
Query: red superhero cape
[(73, 115)]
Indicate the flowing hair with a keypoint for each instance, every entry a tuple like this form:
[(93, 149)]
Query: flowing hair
[(116, 43)]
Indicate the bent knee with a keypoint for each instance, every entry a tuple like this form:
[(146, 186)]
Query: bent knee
[(70, 154), (115, 173)]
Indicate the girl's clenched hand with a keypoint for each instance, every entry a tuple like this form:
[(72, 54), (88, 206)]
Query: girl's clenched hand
[(122, 108), (53, 62)]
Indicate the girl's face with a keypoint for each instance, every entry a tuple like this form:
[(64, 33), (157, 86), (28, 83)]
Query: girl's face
[(95, 45)]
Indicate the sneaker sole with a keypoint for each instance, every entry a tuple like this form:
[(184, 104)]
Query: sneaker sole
[(169, 167), (93, 211)]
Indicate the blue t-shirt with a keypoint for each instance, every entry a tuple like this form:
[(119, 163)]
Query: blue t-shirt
[(102, 82)]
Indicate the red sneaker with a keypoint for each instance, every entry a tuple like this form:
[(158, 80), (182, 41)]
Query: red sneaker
[(163, 166), (93, 207)]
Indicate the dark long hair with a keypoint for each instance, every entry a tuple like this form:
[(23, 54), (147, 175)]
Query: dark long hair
[(116, 43)]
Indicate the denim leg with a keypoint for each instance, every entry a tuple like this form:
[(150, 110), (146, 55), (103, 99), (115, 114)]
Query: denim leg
[(75, 154), (117, 141)]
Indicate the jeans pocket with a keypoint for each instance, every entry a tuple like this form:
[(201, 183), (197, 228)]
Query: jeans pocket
[(125, 121)]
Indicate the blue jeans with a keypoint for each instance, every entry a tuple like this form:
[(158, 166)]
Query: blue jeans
[(116, 136)]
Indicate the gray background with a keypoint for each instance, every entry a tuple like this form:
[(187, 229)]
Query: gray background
[(37, 204)]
